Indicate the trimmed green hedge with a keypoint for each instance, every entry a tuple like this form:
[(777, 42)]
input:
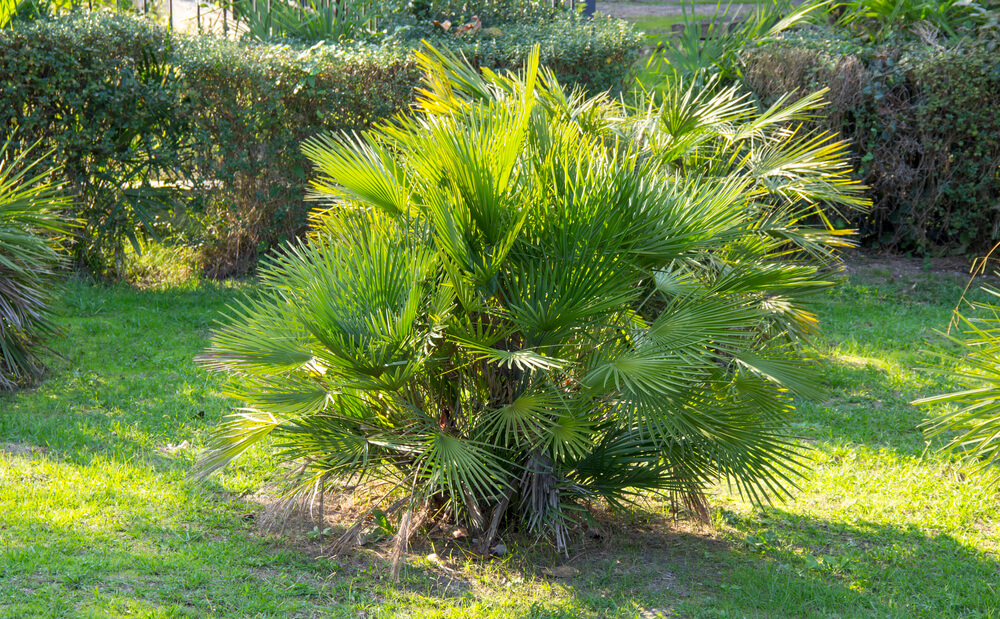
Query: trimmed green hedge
[(123, 103), (93, 91), (924, 125), (596, 54), (490, 12), (131, 111), (252, 107)]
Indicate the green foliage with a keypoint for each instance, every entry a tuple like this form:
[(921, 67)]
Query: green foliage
[(491, 12), (922, 123), (99, 91), (311, 21), (880, 20), (703, 51), (134, 114), (251, 108), (523, 298), (595, 53), (30, 221), (8, 10), (973, 422), (15, 11)]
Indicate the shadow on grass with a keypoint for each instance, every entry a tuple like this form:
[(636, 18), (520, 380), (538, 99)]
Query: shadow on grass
[(861, 408), (126, 385), (149, 545), (790, 565), (867, 404), (783, 565)]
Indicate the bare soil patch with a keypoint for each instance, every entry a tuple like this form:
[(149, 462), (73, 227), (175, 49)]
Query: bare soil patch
[(902, 267), (24, 451), (664, 553)]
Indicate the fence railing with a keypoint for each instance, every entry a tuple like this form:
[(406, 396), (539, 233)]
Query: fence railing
[(255, 7), (229, 16)]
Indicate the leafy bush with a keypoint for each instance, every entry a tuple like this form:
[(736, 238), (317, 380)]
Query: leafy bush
[(251, 108), (162, 265), (30, 217), (492, 13), (879, 20), (705, 50), (134, 114), (922, 123), (522, 299), (596, 53), (98, 90), (312, 20)]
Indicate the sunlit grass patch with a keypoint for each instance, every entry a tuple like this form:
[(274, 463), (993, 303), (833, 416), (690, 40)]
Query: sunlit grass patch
[(98, 518), (159, 264)]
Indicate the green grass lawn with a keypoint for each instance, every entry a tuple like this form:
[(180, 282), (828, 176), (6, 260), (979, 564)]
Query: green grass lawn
[(656, 29), (657, 25), (97, 518), (659, 28)]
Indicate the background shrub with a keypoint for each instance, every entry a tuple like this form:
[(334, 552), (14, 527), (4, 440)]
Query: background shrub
[(491, 12), (97, 90), (252, 107), (156, 131), (596, 54), (923, 123), (135, 115), (879, 20)]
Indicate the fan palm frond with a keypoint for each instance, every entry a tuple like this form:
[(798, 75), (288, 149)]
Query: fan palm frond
[(973, 423), (31, 226), (519, 298)]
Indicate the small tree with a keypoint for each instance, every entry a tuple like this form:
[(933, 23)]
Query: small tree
[(520, 299)]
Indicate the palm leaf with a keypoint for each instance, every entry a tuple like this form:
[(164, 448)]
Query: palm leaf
[(30, 231), (974, 425)]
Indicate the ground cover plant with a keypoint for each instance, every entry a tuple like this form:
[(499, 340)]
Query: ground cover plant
[(100, 519)]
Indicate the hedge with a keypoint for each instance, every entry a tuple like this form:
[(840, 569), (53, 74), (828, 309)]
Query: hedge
[(596, 54), (92, 90), (252, 107), (924, 126), (125, 105)]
